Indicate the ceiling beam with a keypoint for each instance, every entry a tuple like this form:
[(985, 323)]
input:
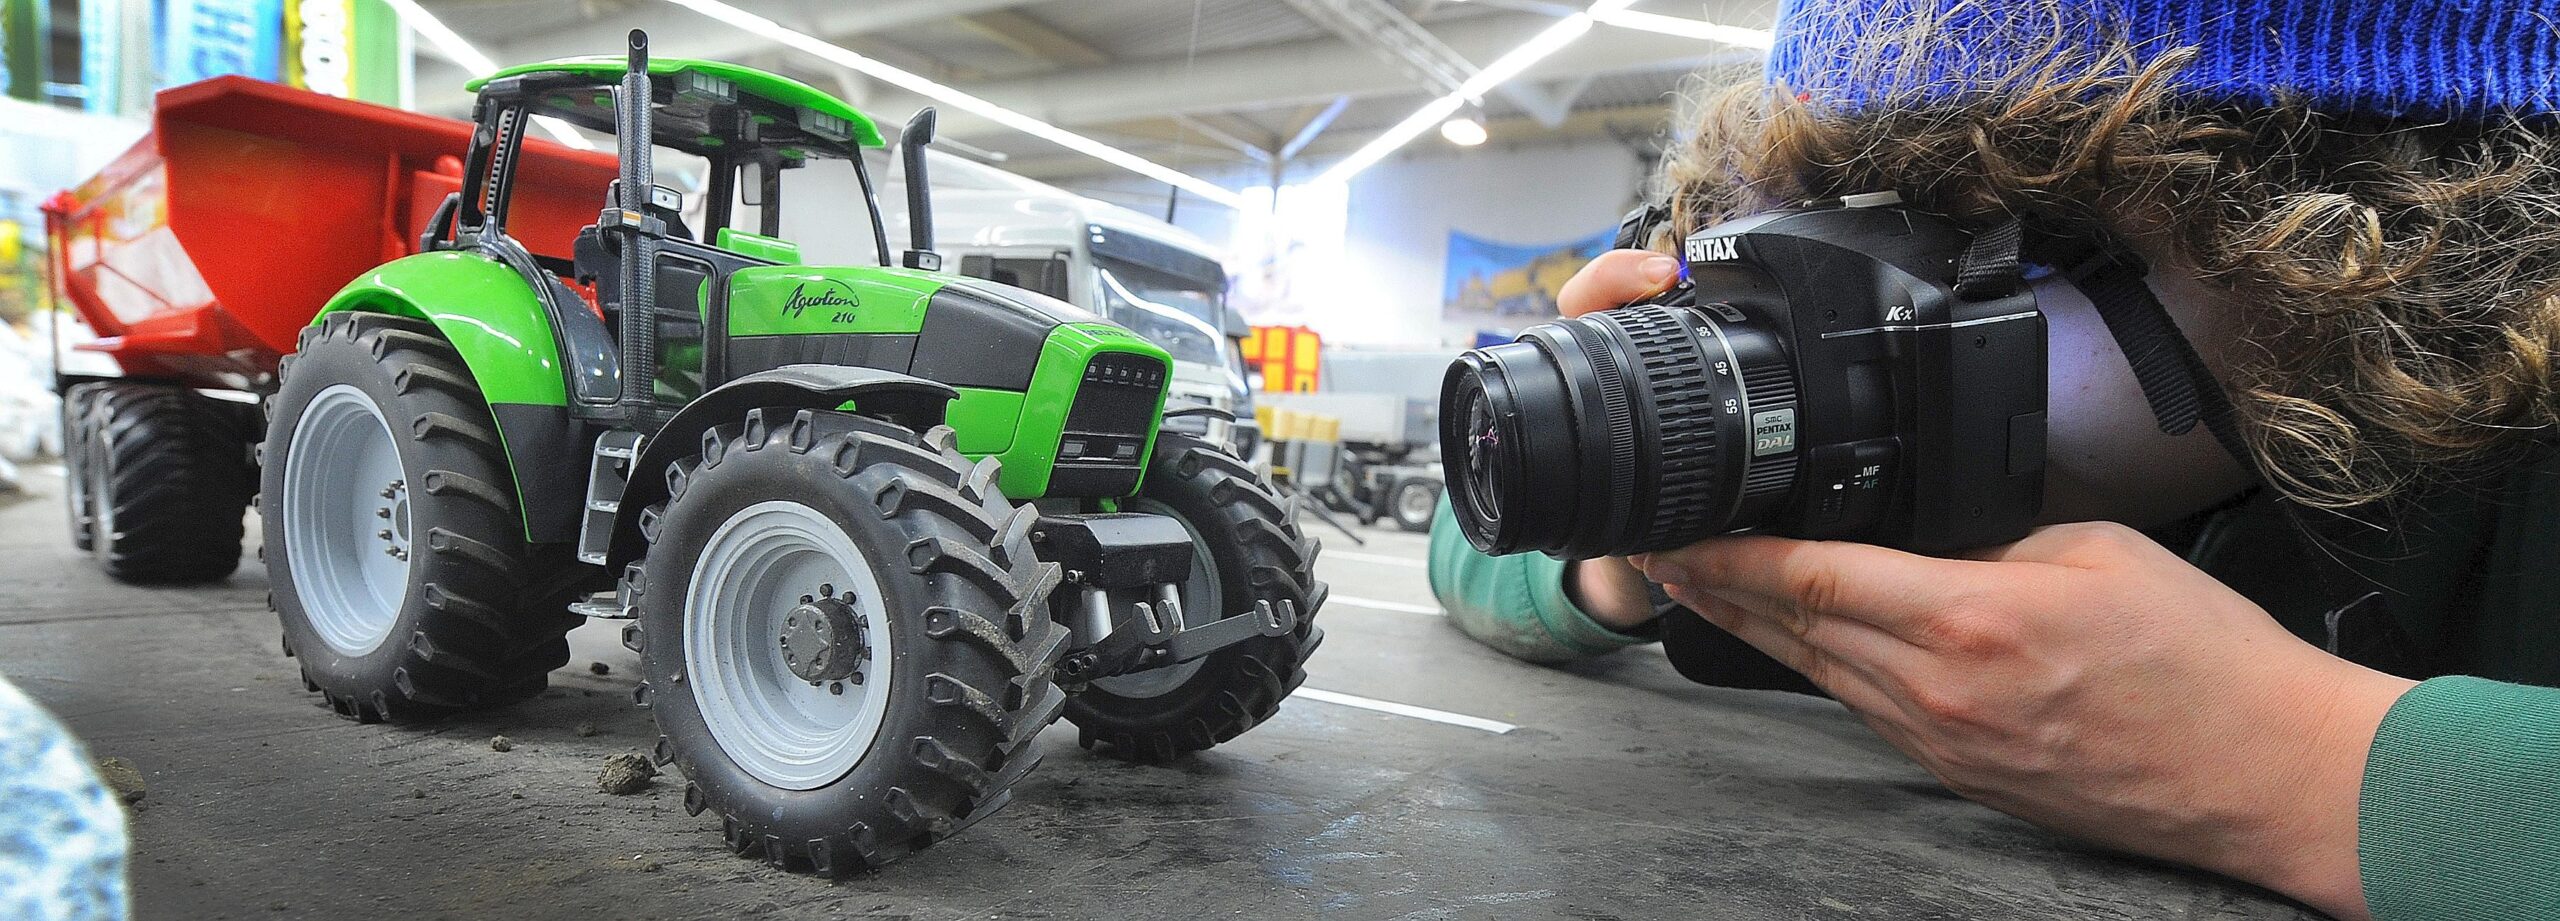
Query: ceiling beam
[(1550, 104), (1314, 126), (1202, 128), (685, 33), (1384, 31), (1032, 38), (1587, 124), (1311, 71), (678, 32)]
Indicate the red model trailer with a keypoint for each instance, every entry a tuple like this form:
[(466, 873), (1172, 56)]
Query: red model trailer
[(199, 254)]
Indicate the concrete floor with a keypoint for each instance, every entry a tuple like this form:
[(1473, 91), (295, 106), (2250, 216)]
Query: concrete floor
[(1625, 792)]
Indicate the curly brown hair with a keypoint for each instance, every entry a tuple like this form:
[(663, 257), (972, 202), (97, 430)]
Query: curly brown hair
[(2401, 281)]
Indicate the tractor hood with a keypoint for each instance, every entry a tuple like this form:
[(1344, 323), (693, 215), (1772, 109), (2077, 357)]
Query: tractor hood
[(960, 331), (795, 299)]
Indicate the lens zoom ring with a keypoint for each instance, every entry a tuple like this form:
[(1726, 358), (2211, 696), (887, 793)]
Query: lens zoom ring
[(1684, 401), (1769, 386), (1619, 419)]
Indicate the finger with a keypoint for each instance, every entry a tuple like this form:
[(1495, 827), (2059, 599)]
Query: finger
[(1616, 278), (1846, 679), (1879, 699), (1847, 641), (1886, 588)]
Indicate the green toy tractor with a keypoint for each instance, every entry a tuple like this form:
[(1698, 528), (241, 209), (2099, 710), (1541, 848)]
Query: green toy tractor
[(874, 526)]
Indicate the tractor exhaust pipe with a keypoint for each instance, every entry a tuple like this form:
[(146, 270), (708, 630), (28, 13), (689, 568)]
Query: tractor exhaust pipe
[(911, 143), (639, 332)]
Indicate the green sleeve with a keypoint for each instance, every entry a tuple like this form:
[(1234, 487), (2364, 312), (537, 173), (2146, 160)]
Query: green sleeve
[(1515, 604), (2460, 813)]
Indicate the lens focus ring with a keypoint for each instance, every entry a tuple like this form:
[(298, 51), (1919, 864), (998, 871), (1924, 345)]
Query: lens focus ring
[(1683, 397)]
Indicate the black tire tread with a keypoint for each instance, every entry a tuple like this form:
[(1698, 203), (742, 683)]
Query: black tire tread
[(1242, 686), (178, 480), (988, 663), (491, 618), (75, 443)]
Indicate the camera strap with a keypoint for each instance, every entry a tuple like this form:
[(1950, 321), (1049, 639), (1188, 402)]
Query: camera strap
[(2174, 380)]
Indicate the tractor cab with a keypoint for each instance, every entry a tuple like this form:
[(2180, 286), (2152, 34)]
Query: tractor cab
[(742, 122), (1069, 401), (744, 126)]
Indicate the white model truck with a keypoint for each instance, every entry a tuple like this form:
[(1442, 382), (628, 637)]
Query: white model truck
[(1160, 281)]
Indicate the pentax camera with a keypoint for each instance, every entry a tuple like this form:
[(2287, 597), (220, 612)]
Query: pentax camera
[(1856, 370)]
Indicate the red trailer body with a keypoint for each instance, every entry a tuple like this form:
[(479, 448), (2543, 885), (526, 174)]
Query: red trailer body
[(201, 252)]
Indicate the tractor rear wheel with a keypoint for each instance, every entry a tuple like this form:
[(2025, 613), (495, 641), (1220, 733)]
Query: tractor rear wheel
[(160, 480), (1247, 550), (395, 553), (842, 637)]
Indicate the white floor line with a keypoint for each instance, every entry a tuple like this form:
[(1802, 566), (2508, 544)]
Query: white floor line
[(1374, 604), (1497, 727), (1359, 557)]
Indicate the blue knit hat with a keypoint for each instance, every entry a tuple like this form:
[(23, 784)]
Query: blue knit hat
[(2392, 58)]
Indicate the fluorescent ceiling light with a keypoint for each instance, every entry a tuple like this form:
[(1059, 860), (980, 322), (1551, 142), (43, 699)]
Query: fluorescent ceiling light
[(938, 92), (451, 45), (1687, 28), (1547, 42), (1464, 131)]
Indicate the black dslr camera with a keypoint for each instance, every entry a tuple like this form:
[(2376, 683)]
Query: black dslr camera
[(1854, 371)]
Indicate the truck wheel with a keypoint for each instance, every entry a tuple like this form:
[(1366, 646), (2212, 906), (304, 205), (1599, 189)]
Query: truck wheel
[(842, 637), (395, 553), (1247, 549), (1414, 502), (163, 474), (75, 454)]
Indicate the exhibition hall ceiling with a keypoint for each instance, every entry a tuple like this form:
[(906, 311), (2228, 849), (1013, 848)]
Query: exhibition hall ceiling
[(1209, 84)]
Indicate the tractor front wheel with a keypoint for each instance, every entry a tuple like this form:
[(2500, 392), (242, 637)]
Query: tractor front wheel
[(395, 553), (1247, 550), (841, 637)]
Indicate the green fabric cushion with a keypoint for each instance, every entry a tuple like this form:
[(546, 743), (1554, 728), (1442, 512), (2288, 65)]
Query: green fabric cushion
[(1515, 604)]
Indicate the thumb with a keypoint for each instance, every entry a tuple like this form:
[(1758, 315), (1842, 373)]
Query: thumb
[(1616, 278)]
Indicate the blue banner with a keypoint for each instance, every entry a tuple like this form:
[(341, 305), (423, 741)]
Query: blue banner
[(1488, 283), (209, 38)]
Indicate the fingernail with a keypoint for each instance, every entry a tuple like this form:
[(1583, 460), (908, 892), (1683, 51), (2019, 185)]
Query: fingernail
[(1665, 572), (1660, 269)]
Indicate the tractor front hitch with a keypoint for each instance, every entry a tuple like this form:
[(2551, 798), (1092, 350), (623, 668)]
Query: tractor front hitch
[(1135, 561)]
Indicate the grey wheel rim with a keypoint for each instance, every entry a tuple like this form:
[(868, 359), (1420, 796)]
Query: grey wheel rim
[(346, 520), (780, 729), (1414, 502), (1203, 602)]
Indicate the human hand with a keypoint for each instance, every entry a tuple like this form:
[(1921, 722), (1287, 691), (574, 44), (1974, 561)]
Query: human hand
[(1608, 589), (1616, 278), (2084, 679)]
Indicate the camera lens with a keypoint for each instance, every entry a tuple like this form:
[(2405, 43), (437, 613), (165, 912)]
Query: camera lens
[(1619, 432)]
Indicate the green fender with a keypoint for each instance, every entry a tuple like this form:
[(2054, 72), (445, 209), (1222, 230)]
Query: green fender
[(496, 321), (481, 306)]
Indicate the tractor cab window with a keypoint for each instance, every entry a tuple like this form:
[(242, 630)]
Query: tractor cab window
[(820, 210)]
